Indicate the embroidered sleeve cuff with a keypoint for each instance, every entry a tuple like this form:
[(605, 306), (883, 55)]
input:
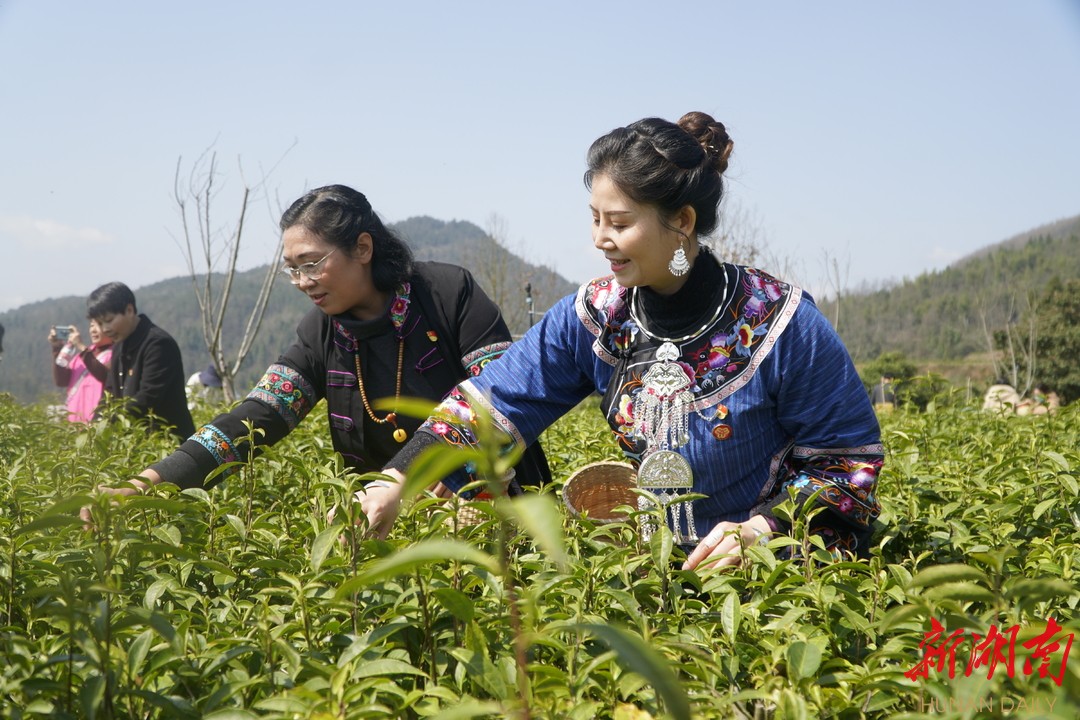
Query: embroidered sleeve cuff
[(423, 439), (830, 518), (187, 467)]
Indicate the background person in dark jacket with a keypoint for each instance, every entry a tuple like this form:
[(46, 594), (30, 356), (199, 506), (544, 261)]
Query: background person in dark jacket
[(381, 327), (146, 369)]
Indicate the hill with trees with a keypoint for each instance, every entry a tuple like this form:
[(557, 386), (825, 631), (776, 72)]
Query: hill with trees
[(25, 371), (952, 314), (950, 318)]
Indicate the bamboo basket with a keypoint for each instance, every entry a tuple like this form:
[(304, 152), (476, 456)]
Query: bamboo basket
[(467, 514), (596, 489)]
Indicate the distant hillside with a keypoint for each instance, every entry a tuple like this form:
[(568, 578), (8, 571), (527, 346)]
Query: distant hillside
[(26, 372), (1058, 230), (940, 316), (501, 273)]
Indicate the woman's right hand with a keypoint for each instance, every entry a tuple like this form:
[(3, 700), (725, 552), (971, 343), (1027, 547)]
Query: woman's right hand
[(381, 502), (54, 341), (135, 487)]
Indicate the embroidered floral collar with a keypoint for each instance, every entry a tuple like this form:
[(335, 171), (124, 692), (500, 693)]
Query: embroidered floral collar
[(728, 351), (397, 315)]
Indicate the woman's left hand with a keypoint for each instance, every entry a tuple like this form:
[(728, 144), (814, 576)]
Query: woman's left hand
[(722, 547)]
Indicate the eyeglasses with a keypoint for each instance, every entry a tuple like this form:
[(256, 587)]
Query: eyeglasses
[(311, 270)]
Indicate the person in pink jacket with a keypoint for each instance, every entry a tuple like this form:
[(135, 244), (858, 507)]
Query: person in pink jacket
[(81, 369)]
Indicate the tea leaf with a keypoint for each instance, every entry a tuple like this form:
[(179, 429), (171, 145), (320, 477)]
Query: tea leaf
[(635, 655), (661, 545), (1040, 589), (959, 591), (1043, 507), (730, 615), (47, 522), (946, 574), (433, 465), (471, 709), (385, 666), (456, 603), (803, 659), (323, 544), (539, 517), (1057, 458), (231, 714), (1070, 482), (407, 560)]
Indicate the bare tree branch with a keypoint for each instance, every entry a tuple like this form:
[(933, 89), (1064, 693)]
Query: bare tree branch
[(837, 279), (195, 200)]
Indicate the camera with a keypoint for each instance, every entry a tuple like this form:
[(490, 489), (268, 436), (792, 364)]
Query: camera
[(62, 331)]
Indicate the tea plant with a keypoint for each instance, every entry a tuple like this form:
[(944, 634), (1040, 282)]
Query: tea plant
[(248, 601)]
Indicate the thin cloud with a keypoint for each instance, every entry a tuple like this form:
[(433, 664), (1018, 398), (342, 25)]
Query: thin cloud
[(940, 257), (35, 233)]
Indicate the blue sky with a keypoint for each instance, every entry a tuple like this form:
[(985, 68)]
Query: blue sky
[(895, 136)]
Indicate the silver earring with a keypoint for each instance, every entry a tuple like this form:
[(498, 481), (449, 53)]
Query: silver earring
[(679, 265)]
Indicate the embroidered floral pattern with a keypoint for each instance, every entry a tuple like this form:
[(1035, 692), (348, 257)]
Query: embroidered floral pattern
[(761, 289), (399, 309), (838, 543), (475, 361), (453, 419), (606, 300), (846, 483), (727, 351), (287, 392), (220, 446), (399, 313), (624, 416)]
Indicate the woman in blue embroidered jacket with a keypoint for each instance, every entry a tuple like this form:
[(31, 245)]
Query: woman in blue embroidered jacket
[(716, 379), (383, 326)]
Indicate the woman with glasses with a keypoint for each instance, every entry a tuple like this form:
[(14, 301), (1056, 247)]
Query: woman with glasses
[(383, 327)]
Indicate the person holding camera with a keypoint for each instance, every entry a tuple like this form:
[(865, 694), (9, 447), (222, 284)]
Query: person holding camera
[(80, 368), (146, 374)]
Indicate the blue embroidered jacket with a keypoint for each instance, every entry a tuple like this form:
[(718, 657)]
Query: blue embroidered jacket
[(776, 399)]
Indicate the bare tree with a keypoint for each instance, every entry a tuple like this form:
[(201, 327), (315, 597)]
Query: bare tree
[(494, 270), (511, 281), (739, 237), (837, 274), (206, 244), (1012, 349)]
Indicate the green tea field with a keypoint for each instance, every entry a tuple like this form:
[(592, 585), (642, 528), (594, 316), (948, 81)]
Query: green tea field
[(245, 601)]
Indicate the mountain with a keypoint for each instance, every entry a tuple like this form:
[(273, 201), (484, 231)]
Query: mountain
[(945, 315), (26, 371), (1058, 230), (938, 318)]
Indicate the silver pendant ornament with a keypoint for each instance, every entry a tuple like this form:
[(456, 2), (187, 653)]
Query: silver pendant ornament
[(663, 403), (661, 413)]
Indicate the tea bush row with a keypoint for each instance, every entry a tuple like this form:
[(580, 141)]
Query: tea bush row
[(245, 601)]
